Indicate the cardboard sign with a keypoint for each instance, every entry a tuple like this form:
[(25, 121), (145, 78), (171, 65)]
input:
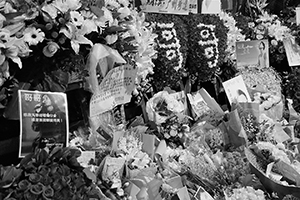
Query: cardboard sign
[(115, 89), (43, 116)]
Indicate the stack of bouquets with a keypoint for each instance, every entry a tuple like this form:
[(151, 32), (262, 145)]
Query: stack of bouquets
[(45, 174), (57, 37)]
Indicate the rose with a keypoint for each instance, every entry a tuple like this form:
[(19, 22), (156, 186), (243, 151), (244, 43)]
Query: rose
[(35, 178), (44, 170), (56, 185), (48, 192), (50, 49), (23, 185), (29, 195), (37, 188)]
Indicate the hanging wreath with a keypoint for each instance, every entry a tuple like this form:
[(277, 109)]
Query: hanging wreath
[(171, 50), (207, 44)]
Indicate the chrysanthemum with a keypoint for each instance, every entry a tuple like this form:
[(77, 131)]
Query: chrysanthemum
[(33, 36), (76, 18)]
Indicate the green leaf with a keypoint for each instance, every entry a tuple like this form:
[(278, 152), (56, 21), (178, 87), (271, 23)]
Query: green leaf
[(24, 162), (97, 11)]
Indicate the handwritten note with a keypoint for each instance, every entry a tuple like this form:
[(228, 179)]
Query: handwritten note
[(115, 89)]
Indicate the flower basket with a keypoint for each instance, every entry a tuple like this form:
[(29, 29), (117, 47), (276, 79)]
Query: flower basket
[(257, 167)]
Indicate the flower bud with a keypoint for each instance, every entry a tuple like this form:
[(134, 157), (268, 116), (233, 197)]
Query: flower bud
[(50, 49)]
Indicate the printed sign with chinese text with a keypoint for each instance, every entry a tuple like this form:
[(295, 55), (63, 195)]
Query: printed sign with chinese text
[(43, 120)]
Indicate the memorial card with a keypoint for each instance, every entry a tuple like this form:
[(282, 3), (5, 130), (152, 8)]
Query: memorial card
[(43, 120), (252, 53), (292, 50), (236, 90)]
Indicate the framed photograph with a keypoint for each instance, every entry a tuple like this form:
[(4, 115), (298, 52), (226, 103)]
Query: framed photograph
[(252, 53), (292, 50), (236, 90), (43, 120)]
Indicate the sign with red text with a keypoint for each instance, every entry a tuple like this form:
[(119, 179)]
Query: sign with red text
[(43, 120)]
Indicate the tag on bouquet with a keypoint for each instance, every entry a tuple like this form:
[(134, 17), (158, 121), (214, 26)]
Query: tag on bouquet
[(199, 106)]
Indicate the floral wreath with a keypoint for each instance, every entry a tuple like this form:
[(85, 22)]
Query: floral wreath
[(207, 45), (171, 50)]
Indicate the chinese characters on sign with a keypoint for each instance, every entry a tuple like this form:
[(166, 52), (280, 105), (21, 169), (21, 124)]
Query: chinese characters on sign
[(43, 119), (115, 89)]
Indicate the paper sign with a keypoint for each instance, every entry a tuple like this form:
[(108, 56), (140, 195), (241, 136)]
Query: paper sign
[(201, 194), (85, 158), (180, 7), (298, 15), (112, 170), (183, 194), (211, 7), (292, 50), (43, 116), (252, 53), (236, 90), (115, 89)]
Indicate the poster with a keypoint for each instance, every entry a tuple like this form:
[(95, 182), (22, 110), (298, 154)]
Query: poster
[(115, 89), (236, 90), (292, 50), (252, 53), (43, 120), (180, 7)]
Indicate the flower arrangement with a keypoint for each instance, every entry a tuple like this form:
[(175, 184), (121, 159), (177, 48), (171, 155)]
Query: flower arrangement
[(234, 35), (53, 40), (207, 45), (172, 50)]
